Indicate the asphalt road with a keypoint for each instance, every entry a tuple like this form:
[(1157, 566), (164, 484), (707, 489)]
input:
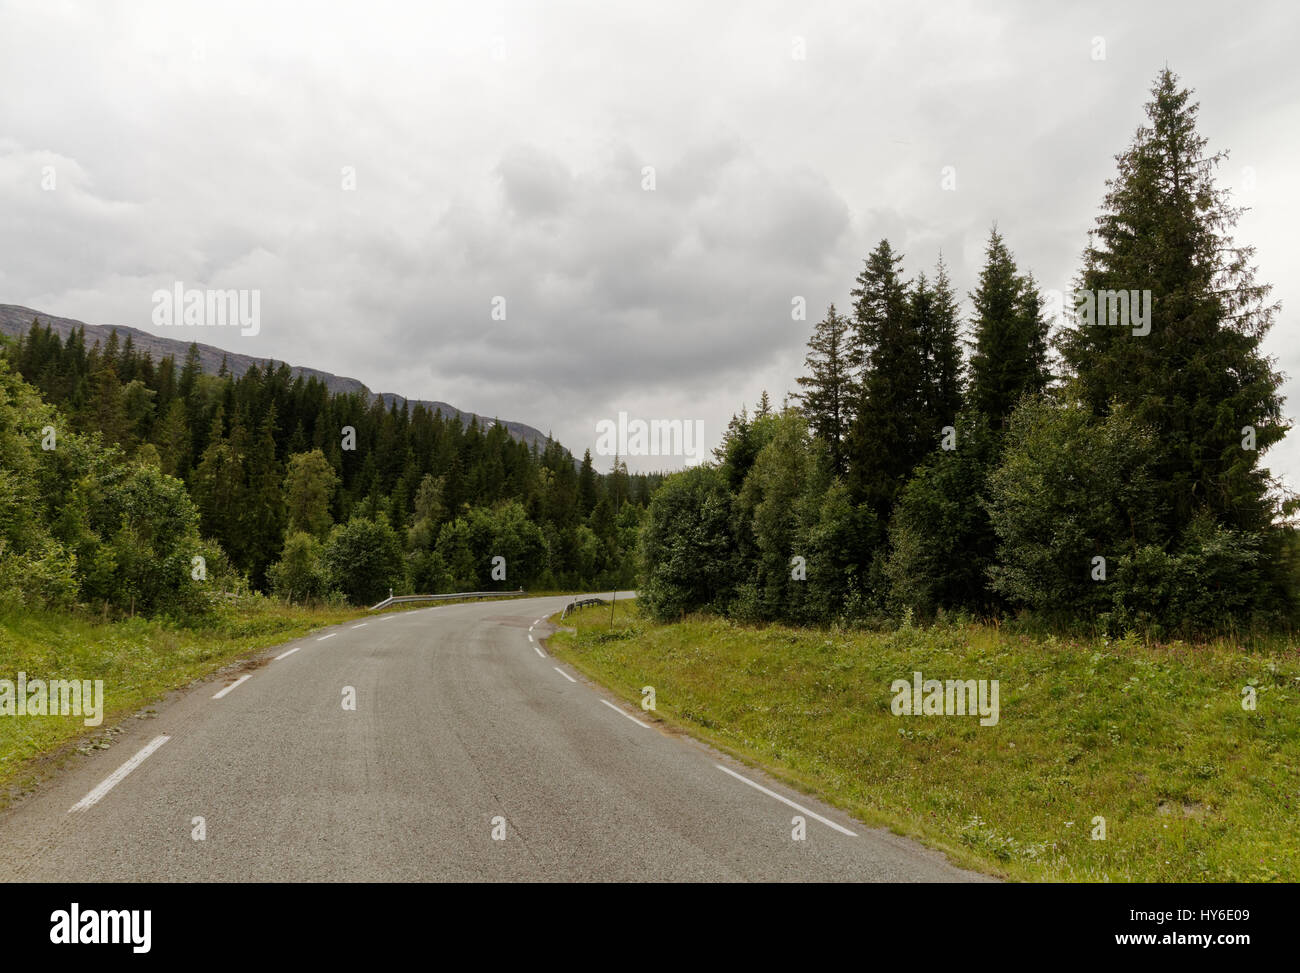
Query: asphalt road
[(461, 728)]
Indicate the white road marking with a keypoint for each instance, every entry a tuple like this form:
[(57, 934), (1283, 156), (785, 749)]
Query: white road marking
[(117, 776), (531, 627), (324, 637), (247, 675), (362, 625), (290, 652), (539, 651), (564, 674), (530, 638), (621, 713), (784, 800)]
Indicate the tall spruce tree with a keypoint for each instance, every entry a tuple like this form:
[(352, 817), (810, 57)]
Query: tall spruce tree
[(1009, 357), (263, 517), (934, 317), (828, 387), (218, 489), (588, 493), (1198, 379), (885, 442)]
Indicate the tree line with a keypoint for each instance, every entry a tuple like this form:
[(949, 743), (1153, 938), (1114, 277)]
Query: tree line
[(1076, 470), (285, 486)]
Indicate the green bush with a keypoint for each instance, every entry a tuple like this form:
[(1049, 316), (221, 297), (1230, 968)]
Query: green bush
[(428, 573), (363, 559), (687, 544), (468, 544), (1069, 488), (1212, 582), (80, 523), (300, 574), (43, 578), (941, 542)]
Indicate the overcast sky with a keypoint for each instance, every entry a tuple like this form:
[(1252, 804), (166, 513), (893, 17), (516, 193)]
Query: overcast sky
[(500, 150)]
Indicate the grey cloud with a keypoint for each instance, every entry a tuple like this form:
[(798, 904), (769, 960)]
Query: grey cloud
[(522, 177), (535, 183)]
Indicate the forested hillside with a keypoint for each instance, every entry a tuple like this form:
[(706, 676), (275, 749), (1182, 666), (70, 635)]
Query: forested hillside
[(292, 488)]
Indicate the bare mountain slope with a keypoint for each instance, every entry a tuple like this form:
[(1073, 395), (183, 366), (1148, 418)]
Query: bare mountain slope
[(16, 320)]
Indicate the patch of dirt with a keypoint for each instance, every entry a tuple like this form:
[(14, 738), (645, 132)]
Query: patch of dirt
[(1168, 809), (43, 767)]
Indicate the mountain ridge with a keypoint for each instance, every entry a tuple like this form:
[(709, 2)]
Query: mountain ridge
[(16, 321)]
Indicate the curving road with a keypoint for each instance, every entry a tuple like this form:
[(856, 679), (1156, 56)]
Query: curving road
[(462, 726)]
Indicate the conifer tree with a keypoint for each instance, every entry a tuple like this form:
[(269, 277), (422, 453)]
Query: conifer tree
[(828, 386), (934, 317), (172, 437), (587, 494), (1009, 358), (218, 488), (885, 442), (1199, 378), (105, 412), (263, 515)]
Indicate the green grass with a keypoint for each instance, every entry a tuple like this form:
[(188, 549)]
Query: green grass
[(1152, 738)]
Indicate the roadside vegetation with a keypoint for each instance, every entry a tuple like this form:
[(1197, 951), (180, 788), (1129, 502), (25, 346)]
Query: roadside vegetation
[(1151, 737), (139, 661), (1097, 462)]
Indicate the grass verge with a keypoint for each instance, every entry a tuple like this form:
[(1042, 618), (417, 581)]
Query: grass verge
[(138, 660), (1153, 738)]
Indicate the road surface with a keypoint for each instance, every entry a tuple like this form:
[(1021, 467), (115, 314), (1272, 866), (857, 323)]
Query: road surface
[(470, 755)]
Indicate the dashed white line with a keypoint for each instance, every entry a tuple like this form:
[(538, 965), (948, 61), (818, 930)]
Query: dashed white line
[(324, 637), (564, 674), (116, 777), (538, 650), (621, 713), (247, 675), (362, 625), (290, 652), (530, 637), (785, 800)]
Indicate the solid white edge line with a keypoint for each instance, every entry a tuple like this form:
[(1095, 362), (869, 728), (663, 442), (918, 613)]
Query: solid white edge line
[(324, 637), (116, 777), (283, 654), (564, 674), (247, 675), (786, 800), (628, 715), (538, 650)]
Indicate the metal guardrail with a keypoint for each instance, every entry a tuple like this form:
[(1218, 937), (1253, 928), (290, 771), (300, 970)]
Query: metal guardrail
[(401, 599), (581, 603)]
